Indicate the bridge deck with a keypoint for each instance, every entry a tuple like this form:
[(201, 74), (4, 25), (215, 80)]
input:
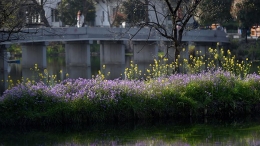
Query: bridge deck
[(29, 35)]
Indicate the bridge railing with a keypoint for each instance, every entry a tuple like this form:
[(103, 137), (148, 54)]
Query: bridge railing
[(102, 33), (82, 33)]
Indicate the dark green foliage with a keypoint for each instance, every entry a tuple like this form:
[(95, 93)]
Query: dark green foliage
[(254, 50), (68, 11), (248, 13), (95, 48), (243, 50), (15, 49), (28, 110), (55, 48), (219, 95), (231, 25), (215, 11), (135, 11), (228, 97)]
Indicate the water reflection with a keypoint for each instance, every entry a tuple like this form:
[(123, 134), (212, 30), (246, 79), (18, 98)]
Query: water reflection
[(75, 72), (3, 78), (10, 76), (29, 74), (15, 71), (168, 132), (113, 71)]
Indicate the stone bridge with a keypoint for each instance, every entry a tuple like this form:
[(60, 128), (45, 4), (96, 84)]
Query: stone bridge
[(144, 43)]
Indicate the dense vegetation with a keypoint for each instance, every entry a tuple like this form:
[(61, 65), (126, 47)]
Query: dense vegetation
[(216, 93), (222, 89)]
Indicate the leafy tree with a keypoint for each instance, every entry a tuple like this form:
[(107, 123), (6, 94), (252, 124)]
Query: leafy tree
[(254, 50), (137, 11), (234, 7), (11, 20), (16, 14), (68, 11), (219, 12), (247, 14)]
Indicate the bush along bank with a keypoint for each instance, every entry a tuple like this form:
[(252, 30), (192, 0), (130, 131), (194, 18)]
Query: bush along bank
[(211, 93)]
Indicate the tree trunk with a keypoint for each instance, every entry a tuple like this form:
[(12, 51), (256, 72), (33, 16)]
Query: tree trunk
[(43, 18), (177, 54)]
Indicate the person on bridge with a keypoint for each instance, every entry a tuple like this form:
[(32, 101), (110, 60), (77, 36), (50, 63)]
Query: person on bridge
[(80, 19)]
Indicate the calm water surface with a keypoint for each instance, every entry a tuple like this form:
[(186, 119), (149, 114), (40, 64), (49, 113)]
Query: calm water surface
[(152, 133)]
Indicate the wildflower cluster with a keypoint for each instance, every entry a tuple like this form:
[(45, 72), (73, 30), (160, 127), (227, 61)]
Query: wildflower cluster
[(196, 63), (215, 59), (38, 75), (159, 68), (79, 100)]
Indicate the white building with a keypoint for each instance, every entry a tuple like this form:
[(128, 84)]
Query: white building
[(159, 16), (33, 15), (51, 13), (105, 12)]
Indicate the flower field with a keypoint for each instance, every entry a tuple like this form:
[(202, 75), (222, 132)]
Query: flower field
[(215, 92)]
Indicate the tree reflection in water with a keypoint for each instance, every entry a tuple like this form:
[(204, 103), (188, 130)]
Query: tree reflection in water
[(170, 132)]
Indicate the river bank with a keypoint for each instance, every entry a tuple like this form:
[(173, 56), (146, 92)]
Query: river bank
[(212, 94)]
